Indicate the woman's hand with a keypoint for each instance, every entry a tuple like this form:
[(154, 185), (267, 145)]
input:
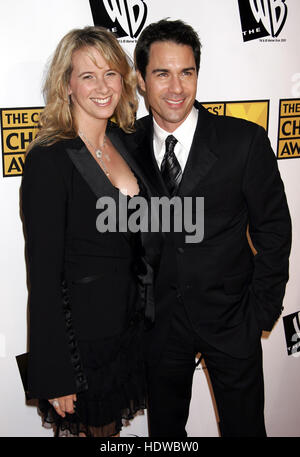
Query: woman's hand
[(64, 404)]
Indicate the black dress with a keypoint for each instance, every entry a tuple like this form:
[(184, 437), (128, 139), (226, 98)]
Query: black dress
[(85, 307)]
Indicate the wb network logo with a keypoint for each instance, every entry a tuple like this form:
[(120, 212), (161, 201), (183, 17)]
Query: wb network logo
[(262, 18), (122, 17), (291, 324)]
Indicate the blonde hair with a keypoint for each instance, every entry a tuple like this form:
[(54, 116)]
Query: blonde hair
[(56, 120)]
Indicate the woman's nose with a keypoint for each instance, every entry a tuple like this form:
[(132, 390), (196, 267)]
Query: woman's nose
[(102, 86)]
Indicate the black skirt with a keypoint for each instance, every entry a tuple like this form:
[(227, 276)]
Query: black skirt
[(116, 386)]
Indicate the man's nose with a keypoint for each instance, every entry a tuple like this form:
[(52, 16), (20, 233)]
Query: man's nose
[(176, 85)]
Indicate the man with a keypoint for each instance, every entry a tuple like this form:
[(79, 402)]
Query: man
[(215, 296)]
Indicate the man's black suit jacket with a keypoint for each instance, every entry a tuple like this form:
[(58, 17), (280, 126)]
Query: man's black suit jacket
[(230, 294)]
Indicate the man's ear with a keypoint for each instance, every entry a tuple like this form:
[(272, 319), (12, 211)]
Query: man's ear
[(141, 81)]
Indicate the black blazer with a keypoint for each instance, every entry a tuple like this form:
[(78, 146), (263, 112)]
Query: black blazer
[(60, 187), (229, 294)]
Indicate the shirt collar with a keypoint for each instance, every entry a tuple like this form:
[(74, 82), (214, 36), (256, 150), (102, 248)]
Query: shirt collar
[(184, 133)]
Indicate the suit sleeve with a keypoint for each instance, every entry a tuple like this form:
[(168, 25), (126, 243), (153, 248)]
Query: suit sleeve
[(44, 199), (269, 228)]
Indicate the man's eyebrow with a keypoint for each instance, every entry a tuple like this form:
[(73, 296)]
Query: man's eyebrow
[(159, 70), (189, 69), (165, 70)]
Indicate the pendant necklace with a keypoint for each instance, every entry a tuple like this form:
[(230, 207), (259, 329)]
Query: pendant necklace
[(98, 151)]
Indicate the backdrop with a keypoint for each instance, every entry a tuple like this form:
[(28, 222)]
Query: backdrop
[(250, 68)]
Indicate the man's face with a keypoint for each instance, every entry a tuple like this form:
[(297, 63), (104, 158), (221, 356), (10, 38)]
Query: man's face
[(170, 83)]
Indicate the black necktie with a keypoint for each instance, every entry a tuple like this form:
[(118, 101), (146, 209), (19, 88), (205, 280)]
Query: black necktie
[(170, 168)]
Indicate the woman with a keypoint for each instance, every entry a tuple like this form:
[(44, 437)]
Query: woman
[(85, 364)]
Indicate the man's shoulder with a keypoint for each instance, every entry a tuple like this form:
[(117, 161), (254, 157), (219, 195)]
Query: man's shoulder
[(143, 123), (142, 128)]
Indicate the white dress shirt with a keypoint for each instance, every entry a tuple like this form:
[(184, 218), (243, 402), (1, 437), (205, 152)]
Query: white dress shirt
[(184, 135)]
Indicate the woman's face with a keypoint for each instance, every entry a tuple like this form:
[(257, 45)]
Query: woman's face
[(95, 89)]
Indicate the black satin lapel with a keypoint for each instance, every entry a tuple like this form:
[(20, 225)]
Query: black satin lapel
[(200, 161), (90, 171), (144, 155), (95, 178), (140, 157), (157, 178), (202, 155), (120, 146), (127, 155)]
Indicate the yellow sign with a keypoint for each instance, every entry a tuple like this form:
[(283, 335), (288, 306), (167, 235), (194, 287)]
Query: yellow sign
[(215, 108), (288, 146), (19, 128), (255, 111)]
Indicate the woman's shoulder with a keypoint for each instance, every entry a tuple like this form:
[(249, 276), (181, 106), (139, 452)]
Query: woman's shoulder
[(50, 161), (55, 153)]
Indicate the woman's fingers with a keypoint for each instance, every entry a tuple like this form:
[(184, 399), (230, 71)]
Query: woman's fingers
[(69, 405), (57, 404), (64, 404)]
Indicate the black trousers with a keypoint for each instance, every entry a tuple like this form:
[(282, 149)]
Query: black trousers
[(237, 384)]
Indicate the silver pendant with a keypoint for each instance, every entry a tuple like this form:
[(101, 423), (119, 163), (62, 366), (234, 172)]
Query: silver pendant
[(98, 153)]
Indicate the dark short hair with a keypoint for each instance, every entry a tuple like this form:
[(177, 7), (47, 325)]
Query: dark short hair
[(164, 30)]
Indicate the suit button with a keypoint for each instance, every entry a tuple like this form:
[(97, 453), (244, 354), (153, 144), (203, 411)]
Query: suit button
[(180, 250), (179, 296)]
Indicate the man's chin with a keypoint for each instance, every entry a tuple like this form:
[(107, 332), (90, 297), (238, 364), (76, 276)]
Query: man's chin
[(176, 120)]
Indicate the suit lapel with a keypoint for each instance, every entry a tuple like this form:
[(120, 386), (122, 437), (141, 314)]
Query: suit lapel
[(143, 152), (140, 145), (202, 155), (201, 159), (94, 176), (89, 169), (115, 137)]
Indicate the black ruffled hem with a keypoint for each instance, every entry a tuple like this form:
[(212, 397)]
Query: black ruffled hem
[(73, 426), (115, 374)]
